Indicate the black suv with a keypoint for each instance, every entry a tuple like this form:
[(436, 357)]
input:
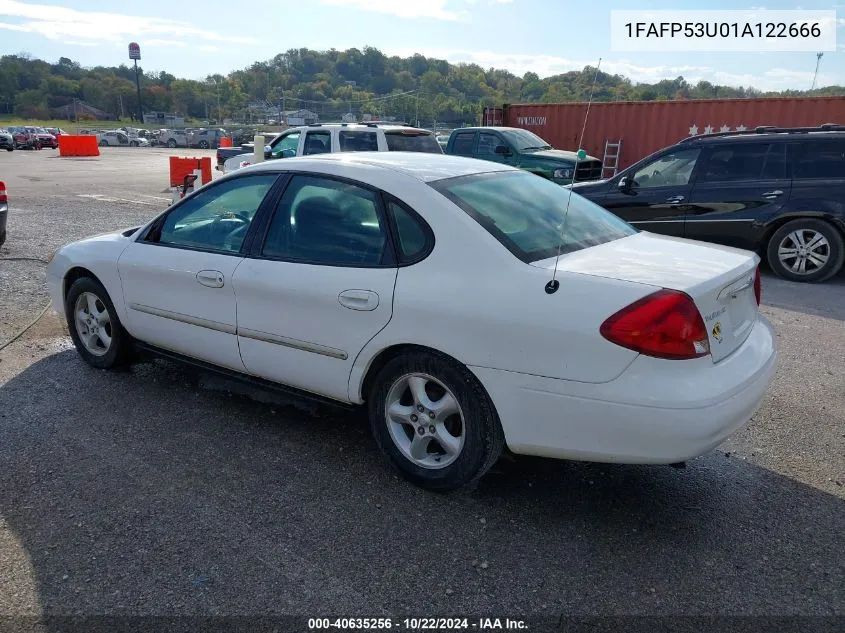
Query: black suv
[(778, 191)]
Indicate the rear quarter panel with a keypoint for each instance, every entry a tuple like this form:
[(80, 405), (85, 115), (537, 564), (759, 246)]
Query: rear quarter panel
[(475, 301)]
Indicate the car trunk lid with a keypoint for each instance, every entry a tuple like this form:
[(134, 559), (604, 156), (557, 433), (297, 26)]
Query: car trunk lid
[(719, 279)]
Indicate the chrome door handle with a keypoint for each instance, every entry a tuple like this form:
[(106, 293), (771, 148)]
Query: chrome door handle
[(773, 194), (365, 300), (675, 199), (210, 278)]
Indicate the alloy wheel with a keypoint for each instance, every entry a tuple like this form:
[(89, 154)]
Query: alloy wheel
[(93, 323), (804, 251), (425, 420)]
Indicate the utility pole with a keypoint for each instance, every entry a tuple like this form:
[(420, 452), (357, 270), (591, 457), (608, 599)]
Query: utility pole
[(135, 54), (219, 115), (816, 74)]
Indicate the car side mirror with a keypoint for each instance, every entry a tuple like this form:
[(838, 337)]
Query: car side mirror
[(503, 150), (267, 154), (626, 185)]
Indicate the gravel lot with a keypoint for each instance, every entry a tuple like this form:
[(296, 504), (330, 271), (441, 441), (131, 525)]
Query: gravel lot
[(162, 491)]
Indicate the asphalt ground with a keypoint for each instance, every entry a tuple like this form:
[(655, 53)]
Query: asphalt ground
[(163, 491)]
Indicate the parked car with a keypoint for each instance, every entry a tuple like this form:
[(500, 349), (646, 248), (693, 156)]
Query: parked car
[(44, 138), (523, 149), (7, 141), (23, 138), (56, 131), (341, 137), (777, 191), (205, 139), (4, 211), (117, 138), (173, 138), (420, 286)]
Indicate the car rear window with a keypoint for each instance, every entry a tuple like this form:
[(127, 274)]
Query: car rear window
[(529, 215), (356, 141), (412, 141)]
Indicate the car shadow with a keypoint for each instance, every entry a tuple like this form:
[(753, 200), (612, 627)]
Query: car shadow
[(826, 299), (161, 490)]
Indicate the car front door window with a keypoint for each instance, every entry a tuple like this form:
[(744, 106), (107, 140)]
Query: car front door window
[(218, 218), (287, 143), (671, 170), (317, 143)]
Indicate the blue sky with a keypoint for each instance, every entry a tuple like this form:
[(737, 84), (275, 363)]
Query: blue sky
[(194, 39)]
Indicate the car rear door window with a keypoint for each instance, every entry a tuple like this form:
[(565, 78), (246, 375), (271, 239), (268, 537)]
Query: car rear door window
[(412, 141), (463, 143), (317, 143), (358, 141), (820, 159), (325, 221), (216, 218), (740, 162), (413, 236)]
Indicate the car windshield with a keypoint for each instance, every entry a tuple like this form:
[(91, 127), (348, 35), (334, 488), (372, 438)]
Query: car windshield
[(523, 140), (532, 217)]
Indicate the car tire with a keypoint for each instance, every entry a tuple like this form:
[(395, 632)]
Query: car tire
[(10, 149), (2, 238), (171, 143), (417, 387), (133, 144), (203, 144), (103, 143), (784, 250), (87, 296)]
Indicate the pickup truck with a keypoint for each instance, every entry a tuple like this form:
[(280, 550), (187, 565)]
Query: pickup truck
[(225, 153), (523, 149)]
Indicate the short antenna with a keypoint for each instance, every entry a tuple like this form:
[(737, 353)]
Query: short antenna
[(554, 284)]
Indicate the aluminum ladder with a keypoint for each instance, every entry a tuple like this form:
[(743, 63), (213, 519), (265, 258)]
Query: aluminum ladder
[(610, 162)]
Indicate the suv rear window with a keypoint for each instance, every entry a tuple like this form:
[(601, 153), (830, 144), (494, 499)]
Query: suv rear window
[(412, 141), (820, 159), (529, 216)]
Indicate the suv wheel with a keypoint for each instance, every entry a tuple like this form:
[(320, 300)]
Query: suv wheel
[(806, 250), (171, 143), (203, 144)]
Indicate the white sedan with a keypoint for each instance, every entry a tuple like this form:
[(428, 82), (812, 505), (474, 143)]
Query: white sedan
[(468, 305)]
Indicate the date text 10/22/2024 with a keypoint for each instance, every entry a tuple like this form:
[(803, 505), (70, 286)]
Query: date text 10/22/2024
[(417, 624)]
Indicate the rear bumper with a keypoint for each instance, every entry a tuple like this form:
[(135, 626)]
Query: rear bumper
[(656, 412)]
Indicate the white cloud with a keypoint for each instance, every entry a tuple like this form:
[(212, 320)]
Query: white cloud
[(165, 43), (547, 65), (75, 43), (57, 22), (209, 48), (435, 9)]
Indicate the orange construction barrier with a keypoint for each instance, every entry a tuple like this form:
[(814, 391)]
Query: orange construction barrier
[(225, 141), (181, 167), (78, 145)]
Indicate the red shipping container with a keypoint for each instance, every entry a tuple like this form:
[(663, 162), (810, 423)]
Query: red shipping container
[(644, 127)]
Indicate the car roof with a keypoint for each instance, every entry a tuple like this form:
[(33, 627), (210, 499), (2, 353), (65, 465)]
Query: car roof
[(421, 166), (359, 126)]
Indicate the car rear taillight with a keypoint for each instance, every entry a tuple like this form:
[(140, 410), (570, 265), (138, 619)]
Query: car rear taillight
[(3, 196), (758, 286), (665, 324)]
